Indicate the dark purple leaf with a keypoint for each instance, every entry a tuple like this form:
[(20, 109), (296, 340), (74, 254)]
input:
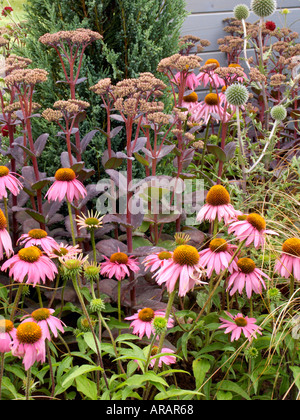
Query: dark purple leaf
[(229, 150), (40, 144), (115, 131), (108, 247), (65, 161), (87, 139), (81, 80)]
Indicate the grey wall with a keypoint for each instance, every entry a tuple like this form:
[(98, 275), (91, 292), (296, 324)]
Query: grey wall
[(205, 21)]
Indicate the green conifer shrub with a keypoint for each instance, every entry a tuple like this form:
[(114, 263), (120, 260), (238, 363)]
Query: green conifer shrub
[(137, 34)]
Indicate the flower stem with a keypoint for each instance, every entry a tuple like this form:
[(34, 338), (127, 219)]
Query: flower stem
[(16, 302), (292, 286), (86, 314), (50, 369), (93, 245), (2, 356), (162, 337), (222, 275), (71, 222), (28, 381), (119, 301)]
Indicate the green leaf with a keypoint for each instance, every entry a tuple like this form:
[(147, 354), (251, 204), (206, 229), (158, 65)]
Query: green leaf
[(7, 384), (136, 381), (78, 371), (86, 387), (141, 159), (224, 396), (172, 393), (36, 215), (217, 152), (200, 369), (296, 373), (233, 387)]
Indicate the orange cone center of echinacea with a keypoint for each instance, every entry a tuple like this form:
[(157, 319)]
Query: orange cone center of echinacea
[(218, 196), (119, 257), (3, 221), (65, 174), (212, 99), (6, 326), (29, 332), (246, 265), (213, 61), (41, 314), (164, 255), (30, 254), (192, 97), (146, 315), (292, 246), (257, 221), (186, 255), (4, 171), (240, 322), (37, 233), (235, 65), (218, 245)]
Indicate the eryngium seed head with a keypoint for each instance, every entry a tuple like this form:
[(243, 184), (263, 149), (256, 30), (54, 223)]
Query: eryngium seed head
[(278, 113), (264, 8), (237, 94), (241, 11)]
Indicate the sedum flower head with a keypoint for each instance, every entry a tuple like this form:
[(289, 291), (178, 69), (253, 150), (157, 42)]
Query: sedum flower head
[(264, 8), (241, 11), (237, 94)]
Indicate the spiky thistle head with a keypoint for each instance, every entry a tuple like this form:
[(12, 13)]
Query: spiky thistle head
[(264, 8), (278, 113), (241, 11), (237, 94)]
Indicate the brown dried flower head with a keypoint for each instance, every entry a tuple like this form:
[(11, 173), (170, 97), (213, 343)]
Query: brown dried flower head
[(179, 63), (71, 106), (52, 115), (78, 36), (102, 87), (26, 76)]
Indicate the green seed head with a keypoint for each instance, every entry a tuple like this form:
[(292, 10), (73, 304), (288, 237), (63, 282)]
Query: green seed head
[(274, 295), (237, 94), (264, 8), (241, 11), (251, 353), (97, 305), (160, 324)]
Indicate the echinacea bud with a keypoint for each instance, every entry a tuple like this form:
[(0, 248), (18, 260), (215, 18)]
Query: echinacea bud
[(237, 94), (97, 305), (279, 113), (241, 11), (83, 323), (251, 353), (264, 8), (159, 324), (91, 271), (274, 295)]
